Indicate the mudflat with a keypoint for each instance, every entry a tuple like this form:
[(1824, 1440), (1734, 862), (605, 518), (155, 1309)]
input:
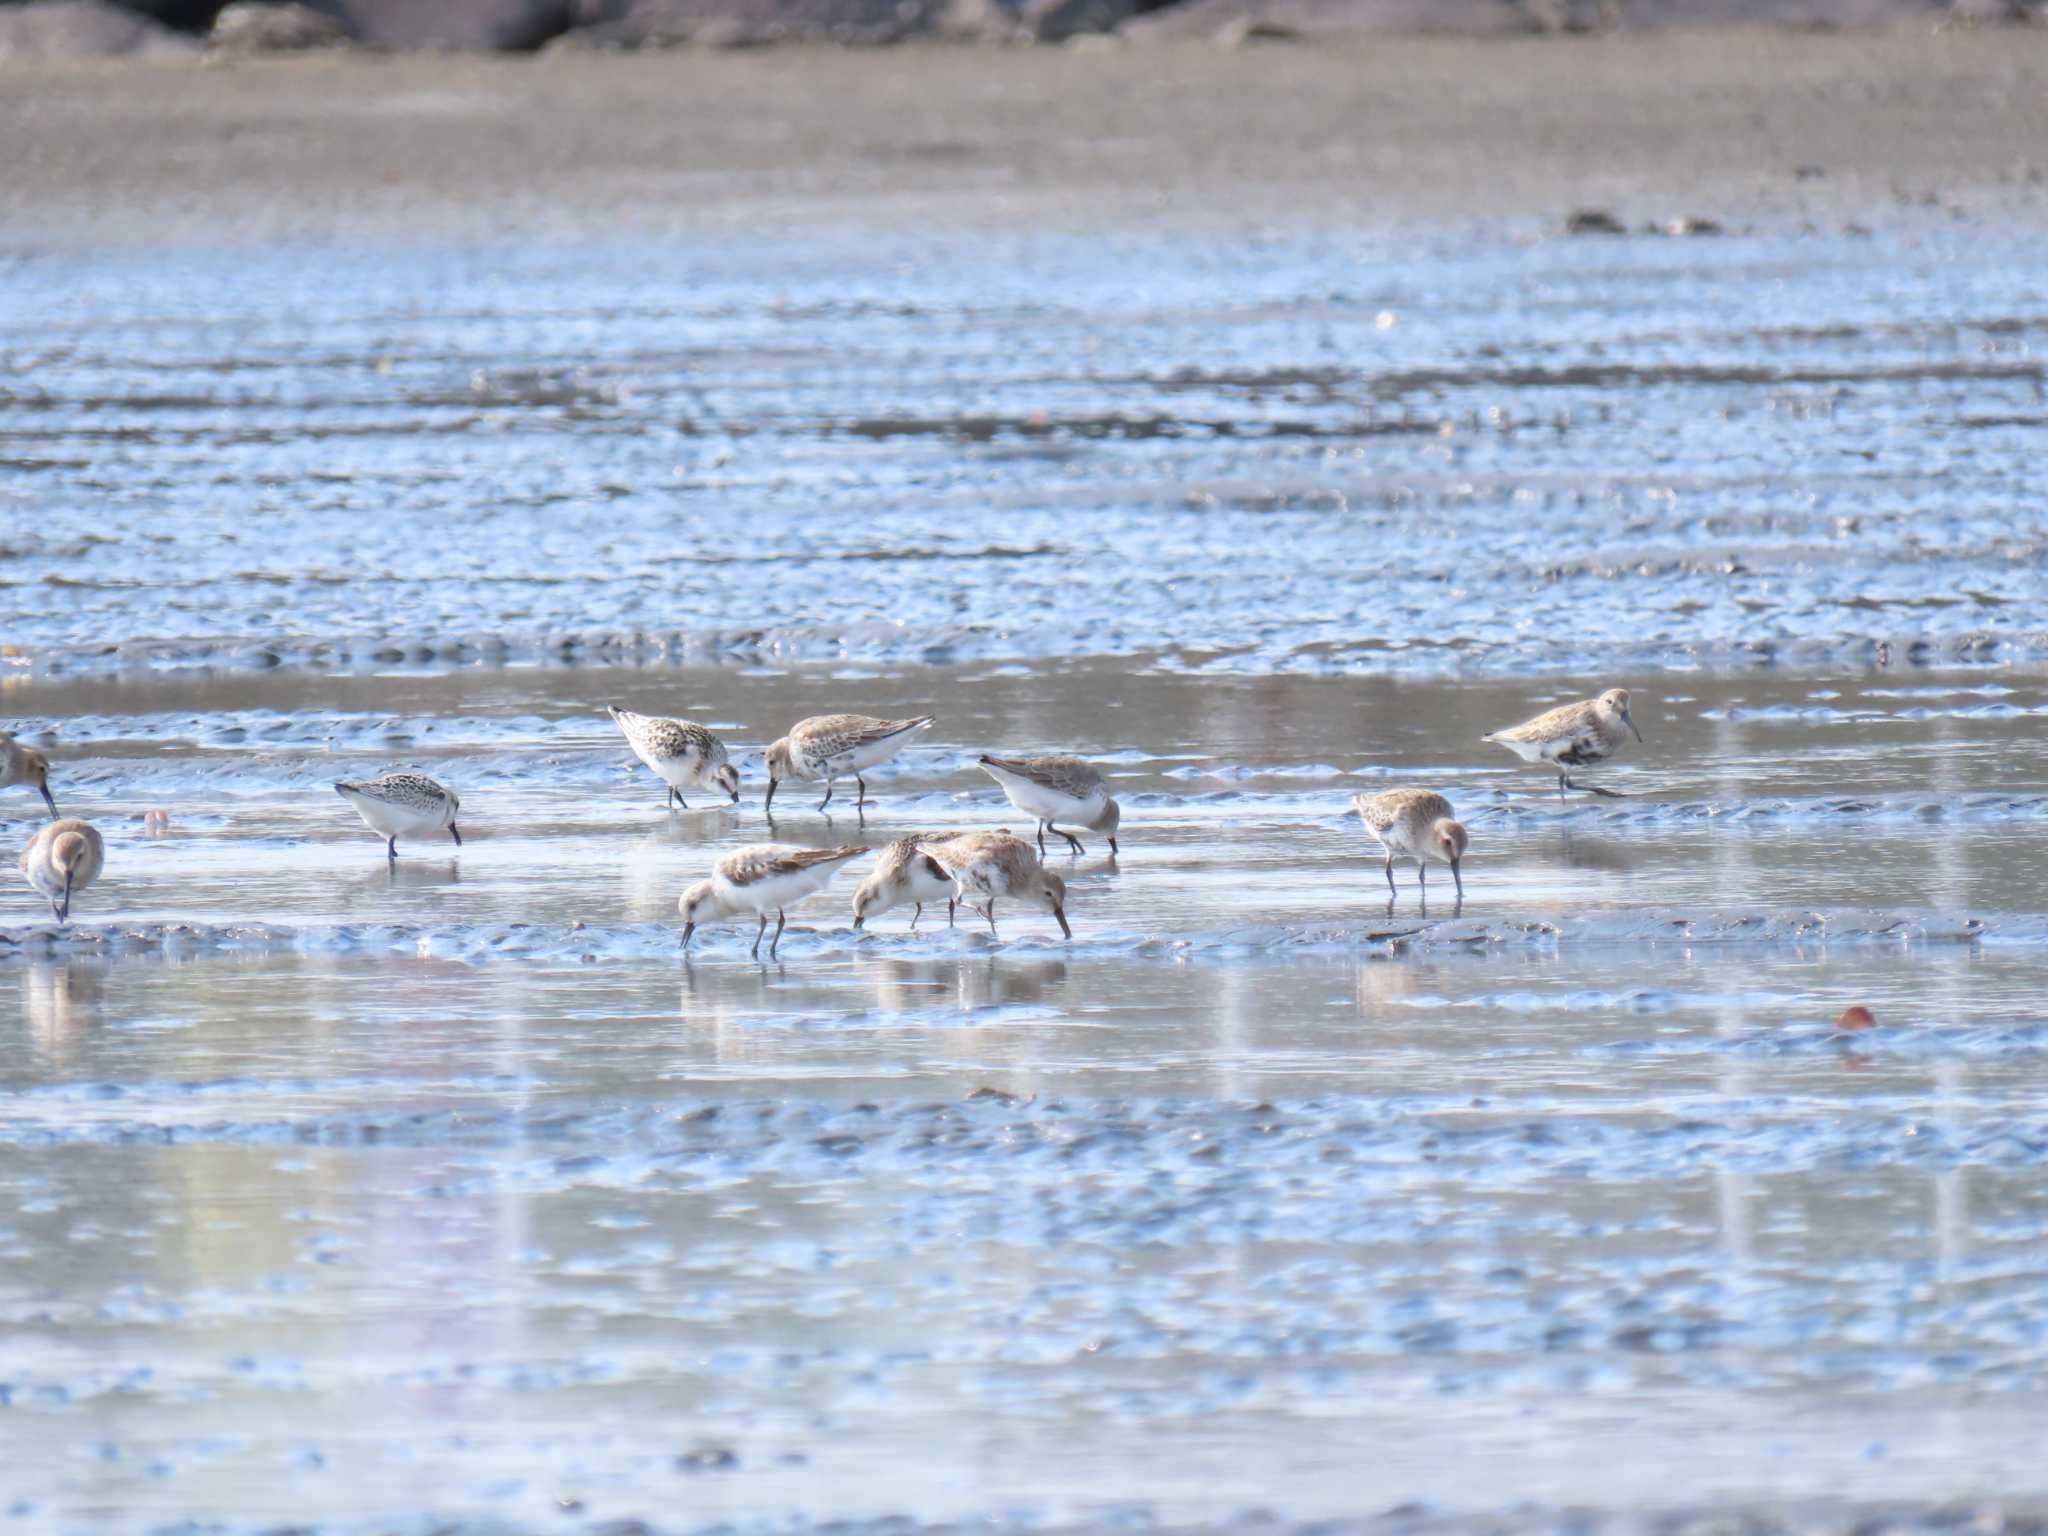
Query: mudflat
[(1742, 125)]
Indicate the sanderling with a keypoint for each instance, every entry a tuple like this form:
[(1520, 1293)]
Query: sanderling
[(1415, 824), (1572, 736), (986, 865), (25, 765), (826, 746), (682, 753), (905, 873), (764, 878), (62, 860), (1056, 789), (402, 802)]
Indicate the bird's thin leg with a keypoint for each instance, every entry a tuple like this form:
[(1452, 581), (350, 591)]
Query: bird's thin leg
[(915, 914), (669, 799), (952, 902), (860, 790), (828, 793), (391, 848), (1391, 892), (1564, 782), (755, 952), (1073, 842), (1041, 838), (1422, 875), (991, 915), (780, 918)]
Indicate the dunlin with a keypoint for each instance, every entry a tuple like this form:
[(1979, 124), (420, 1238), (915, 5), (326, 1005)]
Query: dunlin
[(764, 878), (1572, 736), (988, 865), (682, 753), (62, 860), (1055, 789), (402, 802), (25, 765), (827, 746), (1414, 824), (905, 872)]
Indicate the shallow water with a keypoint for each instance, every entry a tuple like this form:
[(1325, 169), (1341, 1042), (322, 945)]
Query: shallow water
[(352, 1193)]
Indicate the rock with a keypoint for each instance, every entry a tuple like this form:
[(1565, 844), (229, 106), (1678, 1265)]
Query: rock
[(248, 26), (1593, 221), (1054, 21), (1244, 31), (1640, 15), (83, 29), (1327, 18), (463, 26), (636, 24)]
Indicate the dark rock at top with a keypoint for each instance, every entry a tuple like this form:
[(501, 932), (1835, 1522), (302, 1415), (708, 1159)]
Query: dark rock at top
[(744, 23), (82, 29), (1311, 18), (487, 26)]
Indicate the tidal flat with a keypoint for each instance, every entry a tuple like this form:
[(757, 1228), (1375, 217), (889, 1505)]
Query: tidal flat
[(449, 1194)]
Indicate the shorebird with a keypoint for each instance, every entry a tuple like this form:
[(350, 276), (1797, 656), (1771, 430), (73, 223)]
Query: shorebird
[(1414, 824), (826, 746), (1572, 736), (25, 765), (682, 753), (905, 873), (986, 865), (763, 878), (402, 802), (62, 860), (1054, 789)]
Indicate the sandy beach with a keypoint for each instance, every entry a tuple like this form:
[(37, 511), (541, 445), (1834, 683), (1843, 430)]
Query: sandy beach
[(1753, 126)]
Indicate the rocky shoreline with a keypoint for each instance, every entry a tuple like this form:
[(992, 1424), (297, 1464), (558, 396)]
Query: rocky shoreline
[(46, 30)]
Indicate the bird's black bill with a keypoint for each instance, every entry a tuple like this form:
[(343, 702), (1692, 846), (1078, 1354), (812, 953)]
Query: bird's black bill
[(1061, 914), (1625, 720), (772, 783), (688, 929), (1458, 879), (64, 911), (858, 920), (50, 801)]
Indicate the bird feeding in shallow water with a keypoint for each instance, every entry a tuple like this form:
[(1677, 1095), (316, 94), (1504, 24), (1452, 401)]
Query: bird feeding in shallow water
[(1055, 789), (402, 803), (829, 747), (61, 860), (682, 753), (1573, 736), (988, 865), (763, 878), (1414, 824), (905, 872), (25, 765)]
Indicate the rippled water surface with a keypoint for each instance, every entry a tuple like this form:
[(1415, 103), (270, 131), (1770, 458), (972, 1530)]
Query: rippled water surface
[(365, 1195)]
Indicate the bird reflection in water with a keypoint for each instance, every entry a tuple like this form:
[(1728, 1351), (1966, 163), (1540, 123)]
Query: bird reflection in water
[(60, 1004)]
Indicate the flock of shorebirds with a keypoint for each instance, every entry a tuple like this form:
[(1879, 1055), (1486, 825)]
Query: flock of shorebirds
[(977, 868)]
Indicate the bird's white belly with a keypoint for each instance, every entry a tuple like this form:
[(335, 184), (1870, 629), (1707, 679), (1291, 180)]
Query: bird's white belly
[(1051, 805), (395, 820), (779, 891), (677, 772), (867, 755)]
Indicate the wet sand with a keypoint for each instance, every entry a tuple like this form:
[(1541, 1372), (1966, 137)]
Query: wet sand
[(1755, 125), (1091, 401)]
